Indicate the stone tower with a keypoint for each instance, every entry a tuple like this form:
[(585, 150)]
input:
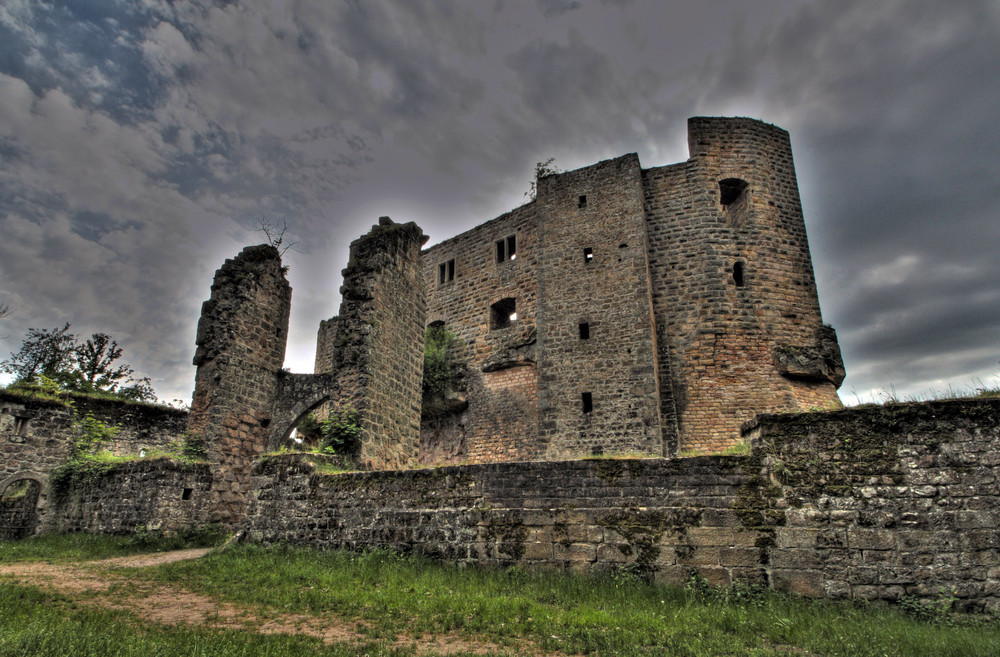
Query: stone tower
[(738, 318)]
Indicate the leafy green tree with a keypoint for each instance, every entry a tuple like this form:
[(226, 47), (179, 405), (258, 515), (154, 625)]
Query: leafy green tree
[(48, 352), (90, 366)]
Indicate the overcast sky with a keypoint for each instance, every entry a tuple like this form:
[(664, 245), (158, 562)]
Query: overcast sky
[(141, 140)]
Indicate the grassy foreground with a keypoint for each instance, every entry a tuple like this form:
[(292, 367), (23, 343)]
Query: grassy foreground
[(383, 597)]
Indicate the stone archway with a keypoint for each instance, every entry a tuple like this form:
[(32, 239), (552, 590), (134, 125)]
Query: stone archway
[(20, 497)]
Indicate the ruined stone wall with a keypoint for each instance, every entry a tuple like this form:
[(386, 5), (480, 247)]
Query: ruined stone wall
[(241, 347), (882, 502), (143, 495), (658, 517), (501, 420), (860, 503), (734, 295), (378, 355), (326, 338), (36, 435), (598, 387)]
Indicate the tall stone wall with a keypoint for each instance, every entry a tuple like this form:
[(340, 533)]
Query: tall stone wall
[(378, 355), (598, 390), (734, 294), (241, 347), (860, 503), (501, 420)]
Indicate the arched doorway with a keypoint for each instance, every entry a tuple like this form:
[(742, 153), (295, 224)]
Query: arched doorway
[(19, 507)]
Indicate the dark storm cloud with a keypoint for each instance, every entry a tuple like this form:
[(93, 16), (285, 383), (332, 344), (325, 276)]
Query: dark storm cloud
[(904, 139), (141, 140)]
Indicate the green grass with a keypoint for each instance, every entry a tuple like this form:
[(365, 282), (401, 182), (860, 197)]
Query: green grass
[(39, 624), (386, 596), (83, 547), (560, 613)]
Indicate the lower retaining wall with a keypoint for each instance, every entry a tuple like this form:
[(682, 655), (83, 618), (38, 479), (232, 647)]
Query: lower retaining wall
[(862, 503), (142, 495), (659, 517)]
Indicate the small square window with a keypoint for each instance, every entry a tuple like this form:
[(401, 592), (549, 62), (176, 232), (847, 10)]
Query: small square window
[(588, 255), (503, 314), (186, 494)]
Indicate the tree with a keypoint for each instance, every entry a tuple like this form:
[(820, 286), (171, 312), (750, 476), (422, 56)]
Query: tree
[(90, 366), (48, 352), (95, 363), (275, 231)]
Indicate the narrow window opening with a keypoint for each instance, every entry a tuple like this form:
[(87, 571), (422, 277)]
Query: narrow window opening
[(583, 201), (738, 274), (186, 495), (20, 426), (446, 272), (584, 331), (503, 313), (506, 249), (588, 402), (588, 255)]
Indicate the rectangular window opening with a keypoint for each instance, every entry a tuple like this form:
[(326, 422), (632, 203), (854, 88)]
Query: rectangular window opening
[(186, 495), (588, 402), (583, 201), (506, 249), (446, 272), (588, 255), (584, 331)]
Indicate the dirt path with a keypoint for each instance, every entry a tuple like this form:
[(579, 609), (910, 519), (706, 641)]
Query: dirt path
[(97, 584)]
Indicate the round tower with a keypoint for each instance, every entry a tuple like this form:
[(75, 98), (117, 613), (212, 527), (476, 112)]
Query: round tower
[(742, 318)]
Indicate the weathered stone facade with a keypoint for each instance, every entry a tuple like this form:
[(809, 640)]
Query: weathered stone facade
[(245, 403), (37, 435), (656, 309), (241, 347), (861, 503)]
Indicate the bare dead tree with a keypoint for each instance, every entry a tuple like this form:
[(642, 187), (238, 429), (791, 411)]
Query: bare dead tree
[(275, 231)]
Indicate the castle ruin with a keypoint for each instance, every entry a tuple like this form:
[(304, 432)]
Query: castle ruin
[(633, 311), (624, 312)]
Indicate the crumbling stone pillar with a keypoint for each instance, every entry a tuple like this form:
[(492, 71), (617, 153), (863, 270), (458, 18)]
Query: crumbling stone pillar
[(378, 355), (241, 348)]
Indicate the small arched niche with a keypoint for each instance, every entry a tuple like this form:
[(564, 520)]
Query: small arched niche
[(739, 273)]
